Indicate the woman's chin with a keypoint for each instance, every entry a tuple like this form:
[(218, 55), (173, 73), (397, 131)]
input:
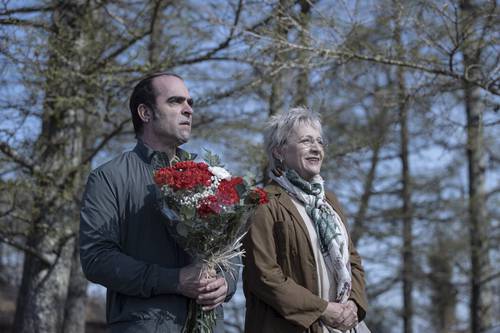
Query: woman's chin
[(308, 175)]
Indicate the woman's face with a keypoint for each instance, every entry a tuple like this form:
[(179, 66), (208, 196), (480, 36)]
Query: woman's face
[(303, 151)]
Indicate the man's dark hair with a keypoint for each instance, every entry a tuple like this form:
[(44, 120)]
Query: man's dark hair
[(144, 93)]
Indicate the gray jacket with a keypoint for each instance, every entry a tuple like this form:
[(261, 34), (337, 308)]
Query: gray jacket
[(125, 246)]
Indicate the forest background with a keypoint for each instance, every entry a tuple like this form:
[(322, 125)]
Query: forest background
[(409, 93)]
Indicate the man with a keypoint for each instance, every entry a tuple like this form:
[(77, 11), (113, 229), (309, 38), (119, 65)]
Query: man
[(124, 243)]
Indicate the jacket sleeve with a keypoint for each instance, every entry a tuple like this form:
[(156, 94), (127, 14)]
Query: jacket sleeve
[(265, 279), (103, 260), (358, 294), (232, 275)]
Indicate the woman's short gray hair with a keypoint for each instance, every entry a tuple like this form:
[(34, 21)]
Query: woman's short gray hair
[(278, 128)]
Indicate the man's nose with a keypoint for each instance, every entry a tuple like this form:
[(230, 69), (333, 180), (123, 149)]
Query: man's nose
[(187, 109)]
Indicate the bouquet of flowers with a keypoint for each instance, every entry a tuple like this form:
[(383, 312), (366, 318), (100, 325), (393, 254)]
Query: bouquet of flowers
[(207, 211)]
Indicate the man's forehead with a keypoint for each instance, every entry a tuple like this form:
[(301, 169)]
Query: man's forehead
[(169, 85)]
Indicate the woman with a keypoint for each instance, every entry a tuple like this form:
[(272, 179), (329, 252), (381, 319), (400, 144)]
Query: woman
[(301, 271)]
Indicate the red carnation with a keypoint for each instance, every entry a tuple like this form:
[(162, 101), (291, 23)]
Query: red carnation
[(259, 196), (186, 165), (227, 193), (209, 206), (164, 176), (184, 175)]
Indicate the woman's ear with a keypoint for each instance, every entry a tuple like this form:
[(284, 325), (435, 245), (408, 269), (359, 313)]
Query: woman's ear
[(278, 154), (278, 162)]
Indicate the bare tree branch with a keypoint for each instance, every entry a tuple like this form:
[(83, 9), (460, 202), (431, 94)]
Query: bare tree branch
[(382, 287), (27, 249), (221, 45), (104, 141), (112, 56), (490, 277), (492, 87), (26, 10), (18, 158), (24, 23)]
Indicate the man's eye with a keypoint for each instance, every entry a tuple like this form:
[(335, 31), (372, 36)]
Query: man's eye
[(180, 100), (176, 100)]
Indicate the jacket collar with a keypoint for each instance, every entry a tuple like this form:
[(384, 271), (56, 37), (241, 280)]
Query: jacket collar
[(284, 199), (332, 200), (146, 153)]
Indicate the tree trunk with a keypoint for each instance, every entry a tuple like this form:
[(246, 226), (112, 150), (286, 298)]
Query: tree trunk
[(302, 91), (443, 291), (480, 266), (477, 210), (76, 302), (407, 251), (281, 32), (46, 277), (358, 226), (75, 310), (3, 270), (276, 100), (378, 126), (407, 223), (40, 303), (155, 46)]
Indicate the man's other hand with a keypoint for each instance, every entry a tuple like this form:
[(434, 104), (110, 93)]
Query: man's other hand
[(193, 280), (213, 295)]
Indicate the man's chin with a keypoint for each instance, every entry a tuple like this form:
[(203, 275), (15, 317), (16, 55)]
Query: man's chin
[(183, 140)]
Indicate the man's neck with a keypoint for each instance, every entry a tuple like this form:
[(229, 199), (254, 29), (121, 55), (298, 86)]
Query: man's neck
[(157, 146)]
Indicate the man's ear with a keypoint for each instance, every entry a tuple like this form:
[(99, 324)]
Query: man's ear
[(144, 113)]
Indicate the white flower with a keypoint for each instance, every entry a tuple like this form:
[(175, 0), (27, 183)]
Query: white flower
[(219, 172)]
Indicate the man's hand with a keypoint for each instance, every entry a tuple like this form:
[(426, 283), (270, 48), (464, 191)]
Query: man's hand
[(213, 294), (340, 316), (193, 280), (208, 289)]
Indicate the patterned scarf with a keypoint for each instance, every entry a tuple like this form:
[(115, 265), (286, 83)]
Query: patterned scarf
[(331, 231)]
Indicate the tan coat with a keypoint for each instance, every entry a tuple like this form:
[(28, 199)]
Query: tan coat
[(279, 277)]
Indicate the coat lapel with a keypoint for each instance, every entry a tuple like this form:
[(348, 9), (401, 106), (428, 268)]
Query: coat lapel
[(332, 200), (286, 202)]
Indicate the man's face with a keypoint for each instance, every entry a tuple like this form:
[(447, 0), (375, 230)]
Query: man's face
[(172, 115)]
